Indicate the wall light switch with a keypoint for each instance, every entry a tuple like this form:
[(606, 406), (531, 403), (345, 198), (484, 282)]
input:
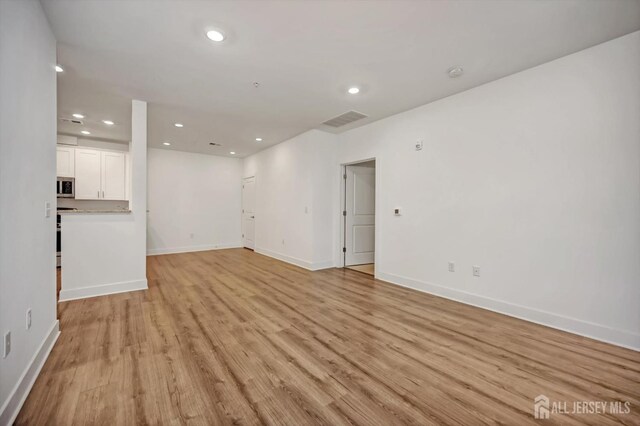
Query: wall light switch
[(28, 319), (452, 267), (47, 209)]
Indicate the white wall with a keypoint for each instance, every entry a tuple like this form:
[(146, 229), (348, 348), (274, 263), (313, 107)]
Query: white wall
[(194, 201), (27, 173), (106, 253), (294, 199), (535, 178)]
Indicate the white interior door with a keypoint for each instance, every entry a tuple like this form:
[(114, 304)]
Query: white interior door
[(360, 207), (248, 212), (87, 174)]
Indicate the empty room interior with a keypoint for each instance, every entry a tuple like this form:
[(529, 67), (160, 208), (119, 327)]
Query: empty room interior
[(292, 212)]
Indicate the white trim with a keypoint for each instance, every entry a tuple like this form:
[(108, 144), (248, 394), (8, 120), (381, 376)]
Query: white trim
[(326, 264), (243, 240), (340, 258), (624, 338), (311, 266), (102, 290), (188, 249), (21, 390)]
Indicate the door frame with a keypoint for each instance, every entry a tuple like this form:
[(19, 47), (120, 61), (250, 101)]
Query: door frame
[(255, 181), (342, 218)]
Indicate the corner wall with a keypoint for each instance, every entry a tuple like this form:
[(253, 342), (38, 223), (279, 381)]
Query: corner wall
[(294, 199), (27, 173), (535, 178), (194, 202)]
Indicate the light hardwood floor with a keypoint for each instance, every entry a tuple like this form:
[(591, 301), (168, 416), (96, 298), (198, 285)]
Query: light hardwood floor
[(368, 268), (231, 336)]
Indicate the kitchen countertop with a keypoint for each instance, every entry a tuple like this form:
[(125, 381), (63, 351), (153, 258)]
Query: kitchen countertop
[(92, 211)]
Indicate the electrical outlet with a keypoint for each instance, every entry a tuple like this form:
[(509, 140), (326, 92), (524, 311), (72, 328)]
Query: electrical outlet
[(7, 345), (29, 319), (476, 271), (452, 267)]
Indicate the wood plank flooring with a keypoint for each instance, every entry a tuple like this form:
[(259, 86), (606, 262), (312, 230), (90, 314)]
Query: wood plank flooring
[(233, 337), (368, 268)]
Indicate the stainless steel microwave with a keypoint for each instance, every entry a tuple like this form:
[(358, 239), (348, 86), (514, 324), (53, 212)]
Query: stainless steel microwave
[(66, 187)]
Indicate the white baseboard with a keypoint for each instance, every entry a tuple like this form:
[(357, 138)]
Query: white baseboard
[(102, 290), (603, 333), (316, 266), (187, 249), (312, 266), (21, 390)]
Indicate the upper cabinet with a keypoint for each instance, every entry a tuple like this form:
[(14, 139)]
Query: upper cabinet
[(88, 174), (100, 175), (65, 161), (113, 176)]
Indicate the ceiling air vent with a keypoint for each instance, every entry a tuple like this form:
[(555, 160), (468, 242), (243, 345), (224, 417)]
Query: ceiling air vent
[(71, 121), (344, 119), (215, 144)]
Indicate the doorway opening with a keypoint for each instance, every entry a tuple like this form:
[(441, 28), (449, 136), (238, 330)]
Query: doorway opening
[(248, 212), (359, 215)]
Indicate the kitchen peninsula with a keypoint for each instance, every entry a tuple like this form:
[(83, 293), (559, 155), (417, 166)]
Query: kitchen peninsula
[(101, 208)]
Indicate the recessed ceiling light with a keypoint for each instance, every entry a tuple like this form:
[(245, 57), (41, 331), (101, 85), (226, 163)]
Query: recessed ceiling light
[(258, 139), (232, 153), (214, 35), (85, 132), (166, 143), (353, 90), (59, 68), (108, 122), (78, 115), (179, 125), (456, 71)]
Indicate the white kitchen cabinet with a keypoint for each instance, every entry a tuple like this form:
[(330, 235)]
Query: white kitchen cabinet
[(100, 175), (127, 188), (113, 176), (88, 174), (65, 161)]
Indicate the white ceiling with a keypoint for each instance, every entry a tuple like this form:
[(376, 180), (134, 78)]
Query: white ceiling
[(304, 54)]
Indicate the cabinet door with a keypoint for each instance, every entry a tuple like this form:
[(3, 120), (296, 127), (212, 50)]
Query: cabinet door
[(113, 176), (65, 161), (127, 171), (88, 174)]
